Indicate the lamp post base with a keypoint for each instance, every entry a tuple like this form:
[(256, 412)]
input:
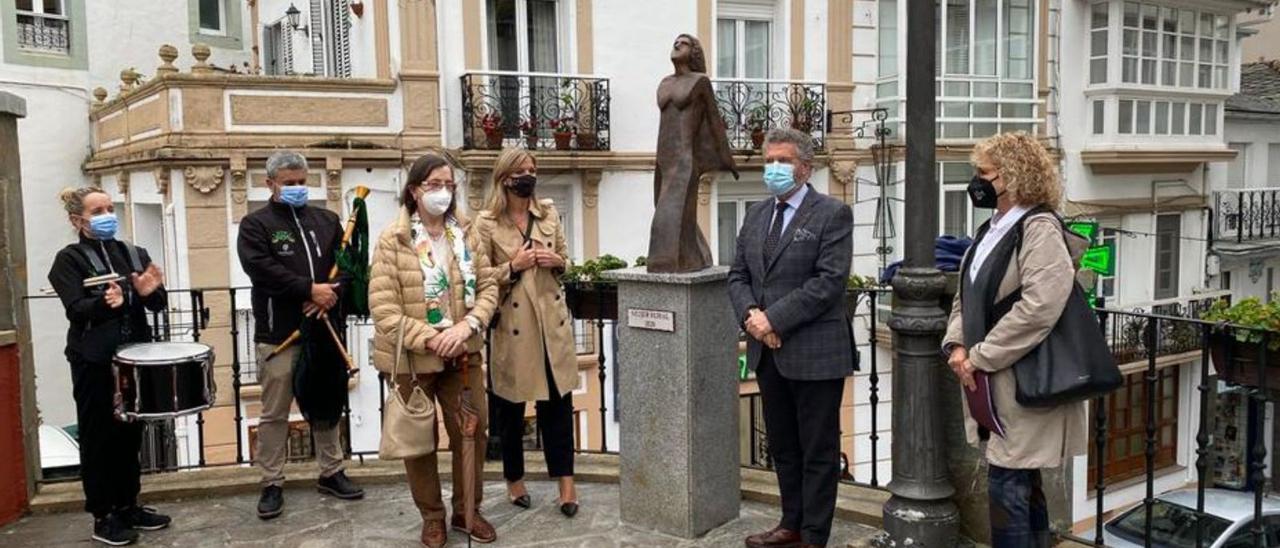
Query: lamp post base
[(923, 523)]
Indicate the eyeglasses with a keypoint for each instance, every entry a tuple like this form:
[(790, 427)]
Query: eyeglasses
[(432, 186)]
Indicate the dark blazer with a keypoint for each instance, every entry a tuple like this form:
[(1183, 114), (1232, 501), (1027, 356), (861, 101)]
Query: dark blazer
[(801, 288)]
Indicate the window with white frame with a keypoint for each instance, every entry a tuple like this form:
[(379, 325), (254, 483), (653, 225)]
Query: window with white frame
[(744, 39), (1154, 45), (43, 26), (1168, 255), (986, 70), (523, 35), (1107, 285), (731, 208), (1157, 117), (330, 34), (959, 218), (212, 14), (1273, 165), (277, 49)]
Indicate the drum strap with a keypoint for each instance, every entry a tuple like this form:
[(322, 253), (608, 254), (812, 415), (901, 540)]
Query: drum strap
[(96, 261)]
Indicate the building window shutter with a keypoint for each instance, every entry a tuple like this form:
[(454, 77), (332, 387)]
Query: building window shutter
[(316, 14), (340, 38)]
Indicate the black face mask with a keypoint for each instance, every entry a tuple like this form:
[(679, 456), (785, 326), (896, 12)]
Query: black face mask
[(982, 193), (522, 186)]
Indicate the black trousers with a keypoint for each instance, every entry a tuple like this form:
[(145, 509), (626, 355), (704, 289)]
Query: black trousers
[(555, 421), (1019, 513), (109, 466), (802, 421)]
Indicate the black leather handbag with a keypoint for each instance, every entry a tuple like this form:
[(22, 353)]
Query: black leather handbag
[(1073, 363)]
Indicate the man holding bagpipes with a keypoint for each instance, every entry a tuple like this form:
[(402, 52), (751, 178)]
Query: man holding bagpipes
[(291, 252)]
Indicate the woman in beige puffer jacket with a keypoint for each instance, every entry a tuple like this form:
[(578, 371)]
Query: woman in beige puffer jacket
[(423, 282)]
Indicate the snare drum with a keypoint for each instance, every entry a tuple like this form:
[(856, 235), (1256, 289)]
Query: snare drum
[(163, 380)]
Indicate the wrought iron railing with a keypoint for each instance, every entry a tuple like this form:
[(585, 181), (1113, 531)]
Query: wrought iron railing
[(1128, 333), (1246, 215), (43, 33), (751, 108), (536, 111)]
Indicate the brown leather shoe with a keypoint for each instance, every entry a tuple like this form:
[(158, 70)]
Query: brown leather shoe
[(774, 538), (434, 534), (481, 531)]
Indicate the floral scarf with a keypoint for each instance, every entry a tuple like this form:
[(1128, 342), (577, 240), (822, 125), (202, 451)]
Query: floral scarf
[(435, 275)]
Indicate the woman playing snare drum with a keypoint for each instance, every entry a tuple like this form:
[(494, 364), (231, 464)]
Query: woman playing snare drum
[(105, 315)]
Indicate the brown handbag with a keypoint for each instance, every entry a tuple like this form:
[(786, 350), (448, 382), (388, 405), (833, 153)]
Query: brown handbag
[(408, 425)]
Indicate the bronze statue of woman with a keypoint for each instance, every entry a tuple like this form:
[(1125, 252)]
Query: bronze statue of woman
[(691, 142)]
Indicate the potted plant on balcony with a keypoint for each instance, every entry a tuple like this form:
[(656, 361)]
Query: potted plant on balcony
[(1236, 346), (756, 123), (802, 114), (588, 296), (562, 131), (491, 123), (529, 128)]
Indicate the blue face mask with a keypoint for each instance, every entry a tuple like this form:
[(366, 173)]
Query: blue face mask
[(779, 178), (295, 196), (103, 226)]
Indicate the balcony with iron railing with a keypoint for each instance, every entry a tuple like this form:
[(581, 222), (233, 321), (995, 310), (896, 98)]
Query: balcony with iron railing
[(751, 107), (1246, 220), (44, 33), (535, 111)]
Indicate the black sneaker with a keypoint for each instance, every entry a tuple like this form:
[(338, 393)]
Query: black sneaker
[(339, 485), (112, 531), (144, 518), (272, 502)]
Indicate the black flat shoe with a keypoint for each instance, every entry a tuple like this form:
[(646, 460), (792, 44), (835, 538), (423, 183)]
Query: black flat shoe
[(523, 501), (569, 509)]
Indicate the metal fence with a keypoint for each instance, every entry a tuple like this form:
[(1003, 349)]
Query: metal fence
[(535, 111)]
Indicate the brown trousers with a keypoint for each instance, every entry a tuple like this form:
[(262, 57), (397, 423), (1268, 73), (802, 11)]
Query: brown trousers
[(445, 388)]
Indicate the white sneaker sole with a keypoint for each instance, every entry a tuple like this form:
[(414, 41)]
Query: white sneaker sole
[(97, 538)]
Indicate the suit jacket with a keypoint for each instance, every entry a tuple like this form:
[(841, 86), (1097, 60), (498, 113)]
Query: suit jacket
[(800, 288), (1043, 270)]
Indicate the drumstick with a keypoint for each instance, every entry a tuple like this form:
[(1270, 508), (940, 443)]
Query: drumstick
[(102, 280)]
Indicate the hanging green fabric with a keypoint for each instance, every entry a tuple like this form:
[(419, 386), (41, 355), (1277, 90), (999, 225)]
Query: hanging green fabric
[(353, 262)]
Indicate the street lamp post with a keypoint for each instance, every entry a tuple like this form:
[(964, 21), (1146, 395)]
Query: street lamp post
[(920, 512)]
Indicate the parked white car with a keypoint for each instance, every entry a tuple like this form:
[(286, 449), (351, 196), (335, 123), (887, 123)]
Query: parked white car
[(59, 453), (1228, 521)]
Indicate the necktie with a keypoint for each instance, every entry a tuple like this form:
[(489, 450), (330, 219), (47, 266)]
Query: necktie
[(775, 231)]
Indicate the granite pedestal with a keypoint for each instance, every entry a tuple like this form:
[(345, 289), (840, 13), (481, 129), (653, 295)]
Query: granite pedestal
[(679, 456)]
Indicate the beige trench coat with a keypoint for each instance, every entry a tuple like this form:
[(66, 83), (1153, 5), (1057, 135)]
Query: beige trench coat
[(534, 319), (1044, 270), (396, 291)]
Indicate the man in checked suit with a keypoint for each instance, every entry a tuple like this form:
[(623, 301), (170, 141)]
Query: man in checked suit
[(787, 285)]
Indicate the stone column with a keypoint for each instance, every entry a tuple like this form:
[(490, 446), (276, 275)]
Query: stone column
[(15, 327), (208, 248), (679, 455)]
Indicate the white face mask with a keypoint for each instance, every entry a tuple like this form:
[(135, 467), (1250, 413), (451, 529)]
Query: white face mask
[(437, 202)]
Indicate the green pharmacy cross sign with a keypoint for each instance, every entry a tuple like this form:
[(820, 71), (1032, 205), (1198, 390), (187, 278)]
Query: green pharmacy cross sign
[(1100, 258)]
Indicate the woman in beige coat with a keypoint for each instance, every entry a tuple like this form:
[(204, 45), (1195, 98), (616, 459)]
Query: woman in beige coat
[(1016, 177), (425, 281), (519, 243)]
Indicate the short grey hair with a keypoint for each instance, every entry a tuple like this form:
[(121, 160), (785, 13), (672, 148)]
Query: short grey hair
[(285, 159), (802, 141)]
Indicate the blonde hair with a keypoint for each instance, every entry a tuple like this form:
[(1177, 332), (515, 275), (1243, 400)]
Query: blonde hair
[(508, 162), (1029, 173), (73, 198)]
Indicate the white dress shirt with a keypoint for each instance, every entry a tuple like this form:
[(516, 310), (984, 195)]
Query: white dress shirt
[(1001, 224), (793, 203)]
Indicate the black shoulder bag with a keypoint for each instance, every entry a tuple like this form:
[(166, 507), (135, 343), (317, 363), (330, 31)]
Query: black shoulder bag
[(1073, 363), (497, 312)]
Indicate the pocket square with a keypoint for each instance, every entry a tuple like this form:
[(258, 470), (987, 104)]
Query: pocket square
[(803, 235)]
